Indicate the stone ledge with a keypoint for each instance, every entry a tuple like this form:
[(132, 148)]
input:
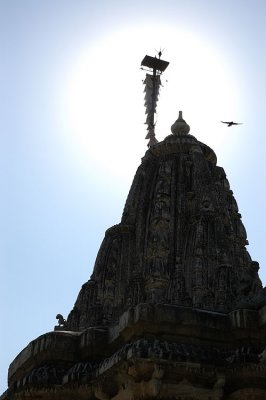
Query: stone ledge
[(170, 320), (50, 346), (165, 323)]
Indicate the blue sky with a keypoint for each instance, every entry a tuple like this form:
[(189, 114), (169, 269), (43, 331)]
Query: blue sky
[(72, 132)]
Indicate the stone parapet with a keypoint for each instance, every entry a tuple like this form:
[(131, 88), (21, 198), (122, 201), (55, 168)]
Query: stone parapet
[(147, 336)]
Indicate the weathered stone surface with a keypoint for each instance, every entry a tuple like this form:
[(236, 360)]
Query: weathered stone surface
[(181, 241), (189, 348), (174, 307)]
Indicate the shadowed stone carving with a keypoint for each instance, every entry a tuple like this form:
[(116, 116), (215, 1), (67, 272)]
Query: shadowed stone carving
[(181, 239), (61, 320), (174, 308)]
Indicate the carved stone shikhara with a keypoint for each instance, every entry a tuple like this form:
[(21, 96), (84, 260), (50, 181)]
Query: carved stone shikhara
[(174, 307), (181, 240)]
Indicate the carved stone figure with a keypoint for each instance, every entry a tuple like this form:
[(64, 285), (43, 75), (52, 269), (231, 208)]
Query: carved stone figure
[(61, 320)]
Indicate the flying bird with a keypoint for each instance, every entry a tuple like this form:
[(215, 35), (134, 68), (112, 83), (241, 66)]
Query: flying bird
[(231, 123)]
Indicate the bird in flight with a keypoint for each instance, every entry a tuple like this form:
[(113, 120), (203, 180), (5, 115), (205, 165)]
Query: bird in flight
[(231, 123)]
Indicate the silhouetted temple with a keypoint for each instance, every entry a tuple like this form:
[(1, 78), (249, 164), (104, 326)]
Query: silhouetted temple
[(174, 308)]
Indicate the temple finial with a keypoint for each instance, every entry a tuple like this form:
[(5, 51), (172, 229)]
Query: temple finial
[(180, 127)]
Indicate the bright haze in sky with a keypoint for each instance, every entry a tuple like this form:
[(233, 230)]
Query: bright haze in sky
[(73, 133)]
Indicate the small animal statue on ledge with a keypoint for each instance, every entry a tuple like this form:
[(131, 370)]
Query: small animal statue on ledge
[(61, 320)]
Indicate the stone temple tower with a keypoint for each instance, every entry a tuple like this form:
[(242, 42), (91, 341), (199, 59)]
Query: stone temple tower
[(174, 308)]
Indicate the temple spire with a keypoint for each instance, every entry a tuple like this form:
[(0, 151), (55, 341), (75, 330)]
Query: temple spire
[(152, 84), (174, 308)]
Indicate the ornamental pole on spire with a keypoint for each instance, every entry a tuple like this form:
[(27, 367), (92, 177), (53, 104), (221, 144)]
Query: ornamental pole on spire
[(152, 84)]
